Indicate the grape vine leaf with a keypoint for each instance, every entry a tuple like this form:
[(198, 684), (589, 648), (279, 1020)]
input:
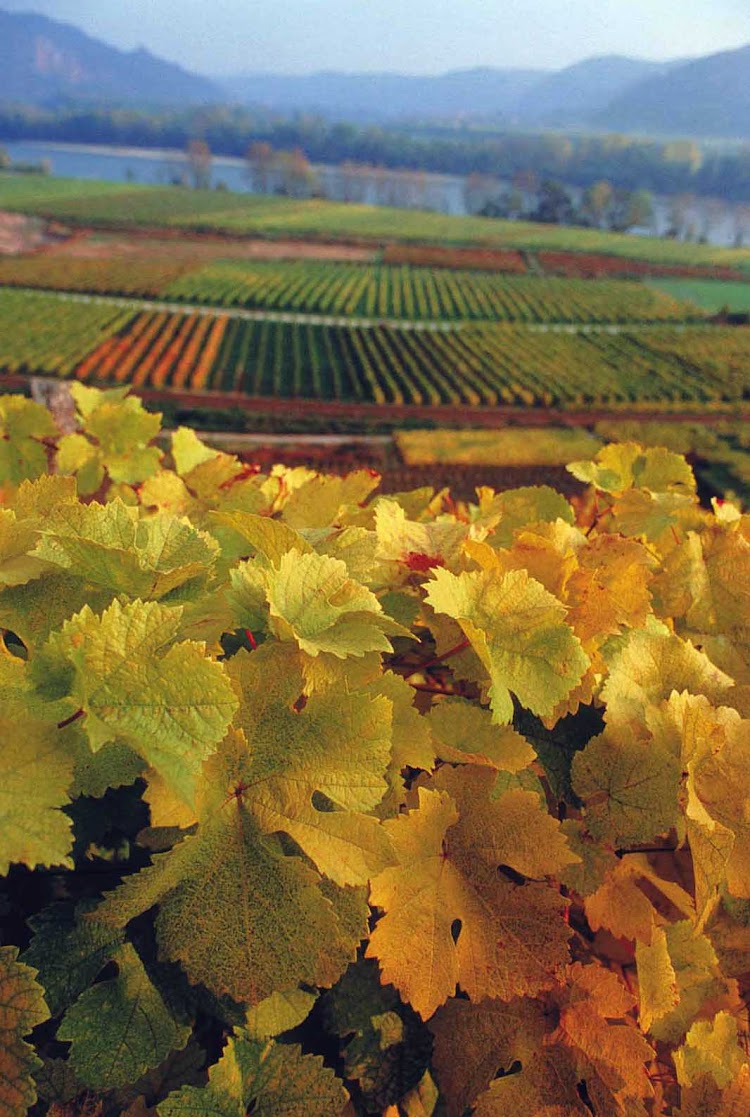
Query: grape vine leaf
[(170, 703), (337, 746), (711, 1047), (491, 1035), (35, 777), (626, 465), (717, 780), (262, 1077), (386, 1047), (696, 979), (279, 1013), (545, 1086), (507, 511), (464, 733), (413, 545), (188, 451), (704, 1098), (411, 741), (629, 788), (657, 980), (34, 502), (313, 601), (243, 918), (120, 1028), (511, 940), (651, 662), (109, 545), (623, 904), (608, 1050), (24, 426), (270, 538), (22, 1008), (116, 440), (610, 588), (518, 630), (68, 951), (320, 501)]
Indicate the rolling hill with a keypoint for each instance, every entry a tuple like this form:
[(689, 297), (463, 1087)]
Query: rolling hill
[(708, 97), (44, 62)]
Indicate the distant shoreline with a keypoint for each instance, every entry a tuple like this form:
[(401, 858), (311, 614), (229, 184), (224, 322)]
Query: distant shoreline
[(167, 153)]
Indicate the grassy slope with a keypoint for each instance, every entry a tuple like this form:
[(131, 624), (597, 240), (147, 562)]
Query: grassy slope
[(115, 203), (709, 294)]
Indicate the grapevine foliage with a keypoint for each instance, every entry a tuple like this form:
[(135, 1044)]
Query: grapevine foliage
[(319, 801)]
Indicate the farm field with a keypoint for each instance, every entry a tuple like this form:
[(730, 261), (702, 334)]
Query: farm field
[(470, 364), (422, 294), (710, 295), (372, 291), (123, 205)]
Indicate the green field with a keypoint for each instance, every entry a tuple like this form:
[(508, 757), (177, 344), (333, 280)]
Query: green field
[(710, 294), (521, 446), (125, 205)]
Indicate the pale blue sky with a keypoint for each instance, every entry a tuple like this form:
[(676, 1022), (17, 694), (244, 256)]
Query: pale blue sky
[(414, 36)]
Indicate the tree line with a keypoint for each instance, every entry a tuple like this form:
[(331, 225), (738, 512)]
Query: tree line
[(628, 163)]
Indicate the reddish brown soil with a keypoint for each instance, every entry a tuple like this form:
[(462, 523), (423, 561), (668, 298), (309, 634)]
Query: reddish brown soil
[(93, 246)]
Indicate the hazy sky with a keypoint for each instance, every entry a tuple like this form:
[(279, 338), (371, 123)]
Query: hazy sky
[(415, 36)]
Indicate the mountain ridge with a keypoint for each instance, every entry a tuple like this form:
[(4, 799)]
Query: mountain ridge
[(45, 62)]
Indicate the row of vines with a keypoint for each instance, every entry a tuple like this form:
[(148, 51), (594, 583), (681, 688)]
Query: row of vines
[(353, 289), (473, 365)]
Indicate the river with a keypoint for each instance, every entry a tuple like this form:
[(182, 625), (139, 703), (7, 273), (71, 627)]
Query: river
[(717, 221)]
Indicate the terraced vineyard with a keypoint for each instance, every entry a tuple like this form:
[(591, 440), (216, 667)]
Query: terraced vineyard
[(352, 289), (479, 365), (47, 336), (421, 293), (117, 205)]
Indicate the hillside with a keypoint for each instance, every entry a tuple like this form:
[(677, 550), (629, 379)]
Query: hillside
[(708, 97), (568, 96), (45, 62), (482, 91)]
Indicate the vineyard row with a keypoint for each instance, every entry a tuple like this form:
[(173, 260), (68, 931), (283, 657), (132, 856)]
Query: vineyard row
[(373, 291), (473, 365)]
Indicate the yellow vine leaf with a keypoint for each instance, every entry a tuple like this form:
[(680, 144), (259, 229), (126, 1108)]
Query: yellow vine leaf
[(610, 589), (22, 1008), (109, 545), (718, 783), (464, 733), (313, 601), (413, 545), (242, 917), (518, 630), (657, 981), (648, 665), (626, 465), (510, 940), (608, 1050), (621, 905), (337, 746), (35, 777), (711, 1047), (167, 700)]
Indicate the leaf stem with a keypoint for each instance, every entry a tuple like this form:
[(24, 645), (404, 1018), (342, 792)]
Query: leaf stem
[(73, 717)]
